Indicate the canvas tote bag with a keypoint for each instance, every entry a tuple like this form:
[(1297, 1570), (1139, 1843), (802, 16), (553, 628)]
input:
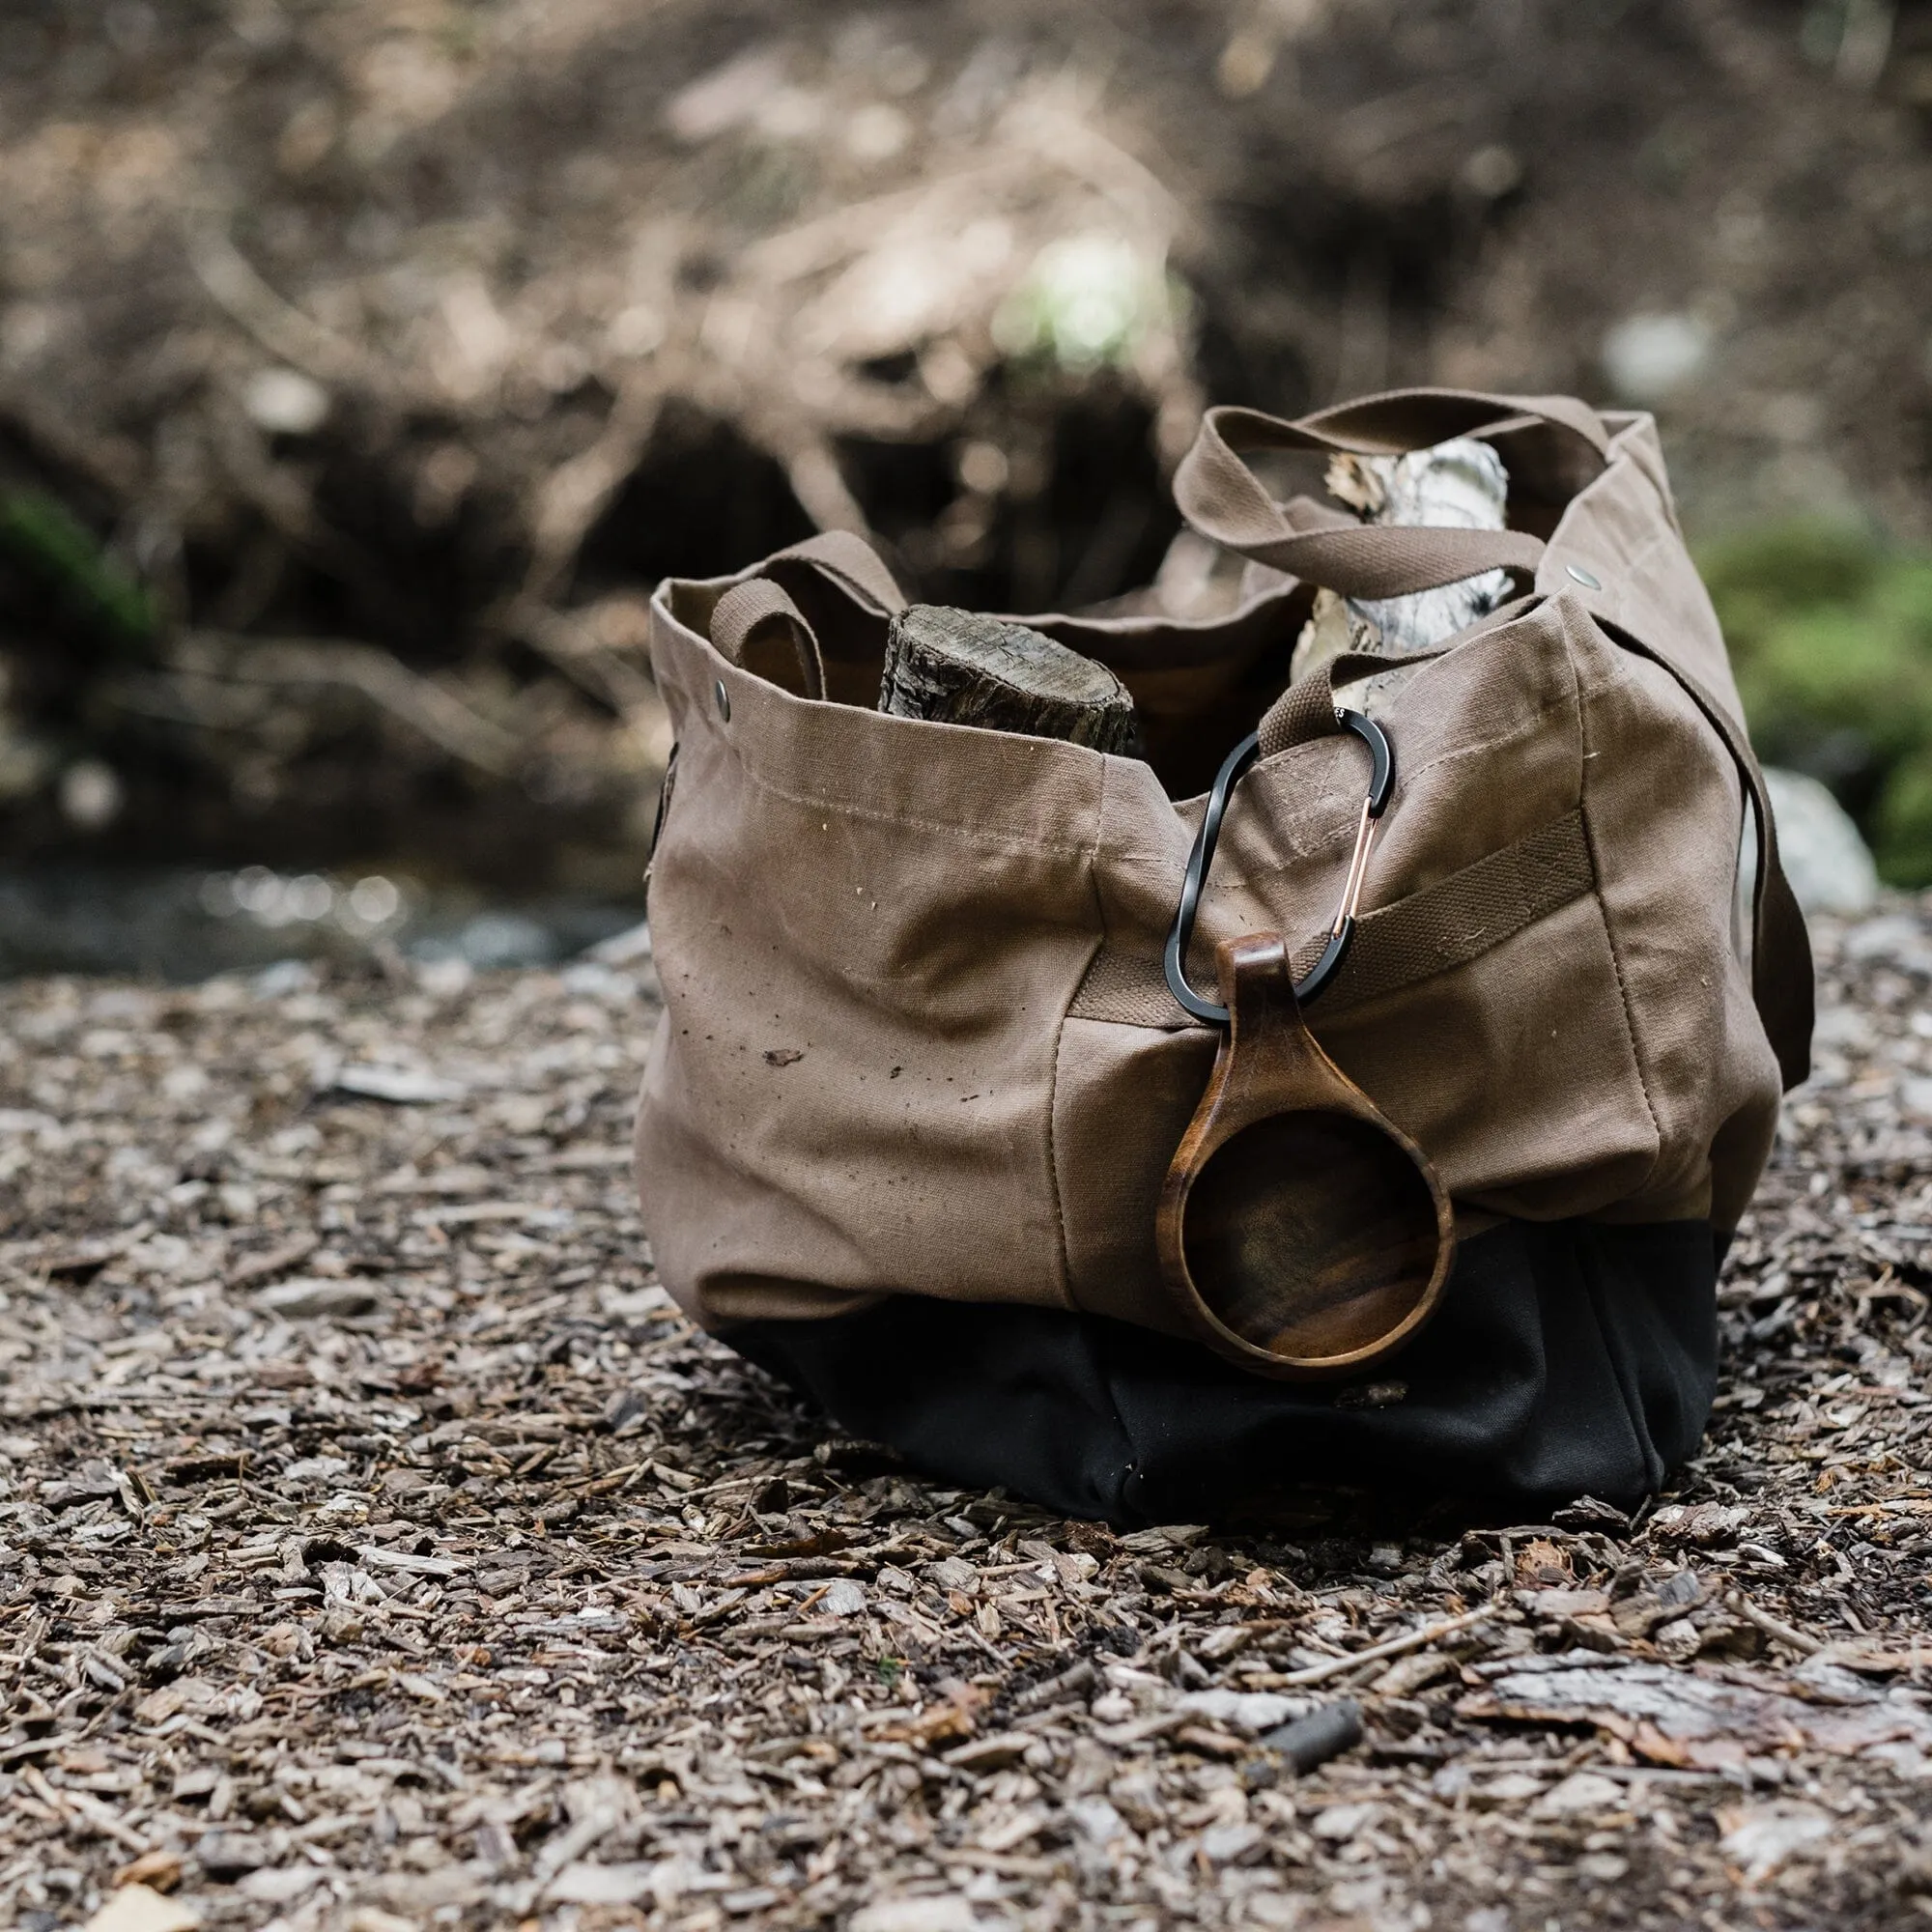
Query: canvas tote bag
[(919, 1076)]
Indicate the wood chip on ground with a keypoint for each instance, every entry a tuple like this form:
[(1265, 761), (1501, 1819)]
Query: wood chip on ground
[(379, 1548)]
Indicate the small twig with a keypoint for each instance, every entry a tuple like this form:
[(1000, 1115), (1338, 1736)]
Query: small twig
[(386, 682), (1792, 1640), (1395, 1646), (277, 324), (568, 501)]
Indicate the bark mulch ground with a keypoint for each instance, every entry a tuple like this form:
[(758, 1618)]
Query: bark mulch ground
[(379, 1549)]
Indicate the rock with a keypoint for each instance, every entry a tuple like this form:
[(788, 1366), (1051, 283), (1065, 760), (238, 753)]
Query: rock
[(226, 1856), (307, 1298), (842, 1598), (1678, 1641), (624, 1408), (1582, 1791), (1825, 857), (400, 1086), (1650, 359), (1097, 1821), (1760, 1837), (1508, 1791), (1344, 1821), (1321, 1735), (1232, 1845), (583, 1883), (277, 1885), (1244, 1710), (948, 1913), (135, 1907)]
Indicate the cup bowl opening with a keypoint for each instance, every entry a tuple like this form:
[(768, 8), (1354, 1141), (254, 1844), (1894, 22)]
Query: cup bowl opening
[(1314, 1237)]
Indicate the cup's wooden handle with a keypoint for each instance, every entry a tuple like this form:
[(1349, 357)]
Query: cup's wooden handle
[(1302, 1232)]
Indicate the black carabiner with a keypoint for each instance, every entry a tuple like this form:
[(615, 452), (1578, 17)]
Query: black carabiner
[(1382, 784)]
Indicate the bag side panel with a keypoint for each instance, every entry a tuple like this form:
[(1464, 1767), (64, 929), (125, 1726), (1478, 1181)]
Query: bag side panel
[(1665, 808), (1621, 529), (867, 929)]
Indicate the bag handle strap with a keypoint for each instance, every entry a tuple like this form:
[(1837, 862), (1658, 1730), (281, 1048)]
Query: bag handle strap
[(759, 628), (756, 626), (851, 563), (1221, 496), (1397, 420)]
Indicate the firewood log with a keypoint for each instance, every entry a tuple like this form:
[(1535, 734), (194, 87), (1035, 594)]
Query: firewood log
[(962, 667)]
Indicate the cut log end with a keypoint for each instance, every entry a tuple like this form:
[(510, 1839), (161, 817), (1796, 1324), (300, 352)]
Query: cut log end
[(963, 667)]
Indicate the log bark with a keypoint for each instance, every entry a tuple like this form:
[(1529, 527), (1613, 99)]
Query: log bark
[(962, 668)]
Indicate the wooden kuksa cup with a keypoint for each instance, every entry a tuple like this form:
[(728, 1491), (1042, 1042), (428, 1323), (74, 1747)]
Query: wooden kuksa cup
[(1303, 1234)]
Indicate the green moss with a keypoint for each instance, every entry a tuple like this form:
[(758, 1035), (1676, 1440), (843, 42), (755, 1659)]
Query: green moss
[(1902, 831), (1830, 634), (44, 535), (1763, 576)]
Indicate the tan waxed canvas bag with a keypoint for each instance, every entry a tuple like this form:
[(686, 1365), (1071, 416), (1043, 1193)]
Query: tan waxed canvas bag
[(919, 1075)]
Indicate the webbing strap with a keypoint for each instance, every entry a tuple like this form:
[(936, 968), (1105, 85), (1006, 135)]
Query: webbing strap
[(757, 625), (1446, 924), (1397, 420)]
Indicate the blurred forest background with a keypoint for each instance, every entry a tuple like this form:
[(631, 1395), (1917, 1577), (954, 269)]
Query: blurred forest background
[(363, 364)]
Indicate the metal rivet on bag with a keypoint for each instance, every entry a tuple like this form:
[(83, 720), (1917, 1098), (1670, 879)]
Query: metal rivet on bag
[(724, 698), (1576, 570)]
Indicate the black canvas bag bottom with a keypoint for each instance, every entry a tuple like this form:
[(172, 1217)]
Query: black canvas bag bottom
[(1568, 1358)]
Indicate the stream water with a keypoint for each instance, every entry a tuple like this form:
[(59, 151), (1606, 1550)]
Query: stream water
[(184, 924)]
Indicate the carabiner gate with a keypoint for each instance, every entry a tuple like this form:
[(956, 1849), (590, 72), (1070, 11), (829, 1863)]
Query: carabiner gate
[(1382, 784)]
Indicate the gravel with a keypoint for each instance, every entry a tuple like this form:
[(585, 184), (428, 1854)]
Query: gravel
[(380, 1550)]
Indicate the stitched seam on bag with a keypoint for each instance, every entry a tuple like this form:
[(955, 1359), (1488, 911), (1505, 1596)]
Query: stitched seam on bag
[(1124, 989), (1066, 1293), (1002, 841), (1616, 959)]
